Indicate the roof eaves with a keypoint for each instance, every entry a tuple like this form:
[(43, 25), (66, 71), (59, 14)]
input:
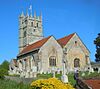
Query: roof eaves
[(27, 52)]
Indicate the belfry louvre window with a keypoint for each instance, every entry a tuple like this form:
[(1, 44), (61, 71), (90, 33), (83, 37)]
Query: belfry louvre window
[(37, 25), (52, 61), (31, 24), (25, 34)]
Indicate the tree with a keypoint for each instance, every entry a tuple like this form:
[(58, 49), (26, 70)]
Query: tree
[(97, 43), (4, 67)]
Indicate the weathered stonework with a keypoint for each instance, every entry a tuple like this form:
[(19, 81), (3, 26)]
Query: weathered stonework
[(45, 55), (30, 30), (76, 49)]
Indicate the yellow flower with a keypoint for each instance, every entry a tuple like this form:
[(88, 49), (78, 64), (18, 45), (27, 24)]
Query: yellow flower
[(51, 83)]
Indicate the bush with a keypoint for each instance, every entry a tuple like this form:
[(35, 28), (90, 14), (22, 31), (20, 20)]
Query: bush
[(51, 83), (4, 69), (2, 73)]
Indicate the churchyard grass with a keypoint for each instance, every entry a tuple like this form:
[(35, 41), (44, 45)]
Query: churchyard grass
[(8, 84)]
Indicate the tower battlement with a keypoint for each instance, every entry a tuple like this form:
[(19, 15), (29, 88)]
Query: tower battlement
[(30, 29)]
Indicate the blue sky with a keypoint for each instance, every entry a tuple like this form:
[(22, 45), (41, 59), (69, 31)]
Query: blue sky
[(60, 18)]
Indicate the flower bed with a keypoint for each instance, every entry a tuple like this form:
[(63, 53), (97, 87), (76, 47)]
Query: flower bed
[(51, 83)]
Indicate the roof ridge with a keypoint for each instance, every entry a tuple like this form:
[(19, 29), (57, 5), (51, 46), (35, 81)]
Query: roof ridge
[(67, 36), (63, 41)]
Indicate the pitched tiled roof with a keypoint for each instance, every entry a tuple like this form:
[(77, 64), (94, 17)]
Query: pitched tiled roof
[(63, 41), (35, 45)]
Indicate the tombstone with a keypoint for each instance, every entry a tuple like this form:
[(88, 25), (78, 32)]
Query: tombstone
[(41, 71), (31, 75), (64, 79), (83, 74), (53, 72), (21, 74), (49, 71), (58, 71), (44, 72), (27, 75), (34, 69), (98, 70), (90, 71), (34, 74)]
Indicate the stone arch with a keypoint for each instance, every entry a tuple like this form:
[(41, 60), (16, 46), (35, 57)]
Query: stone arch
[(76, 62)]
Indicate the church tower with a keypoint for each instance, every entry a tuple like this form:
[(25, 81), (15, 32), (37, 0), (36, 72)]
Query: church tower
[(30, 29)]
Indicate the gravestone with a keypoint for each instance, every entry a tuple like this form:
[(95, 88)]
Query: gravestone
[(44, 72), (90, 71), (34, 69), (53, 72), (64, 77), (98, 70), (83, 74)]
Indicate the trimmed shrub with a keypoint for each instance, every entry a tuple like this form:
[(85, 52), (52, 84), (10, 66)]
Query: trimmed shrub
[(51, 83)]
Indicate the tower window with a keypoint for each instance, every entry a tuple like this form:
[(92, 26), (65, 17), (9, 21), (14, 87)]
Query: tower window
[(25, 34), (25, 21), (31, 24), (37, 24)]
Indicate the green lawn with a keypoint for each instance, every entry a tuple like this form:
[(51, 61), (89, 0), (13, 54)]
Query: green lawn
[(8, 84)]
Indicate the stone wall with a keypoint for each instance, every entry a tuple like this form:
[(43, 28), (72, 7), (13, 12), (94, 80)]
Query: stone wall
[(51, 48), (76, 49)]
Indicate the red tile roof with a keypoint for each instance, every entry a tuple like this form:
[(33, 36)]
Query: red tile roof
[(94, 83), (37, 44), (63, 41)]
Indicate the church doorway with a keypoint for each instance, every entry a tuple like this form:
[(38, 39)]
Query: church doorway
[(76, 62)]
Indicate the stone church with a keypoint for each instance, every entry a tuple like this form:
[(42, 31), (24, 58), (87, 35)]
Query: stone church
[(39, 54)]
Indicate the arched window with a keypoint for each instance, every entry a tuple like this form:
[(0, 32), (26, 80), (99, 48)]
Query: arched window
[(37, 24), (25, 34), (76, 62), (31, 24), (52, 61)]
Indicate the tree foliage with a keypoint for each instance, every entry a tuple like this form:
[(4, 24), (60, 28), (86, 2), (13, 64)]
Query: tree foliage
[(97, 43), (4, 67)]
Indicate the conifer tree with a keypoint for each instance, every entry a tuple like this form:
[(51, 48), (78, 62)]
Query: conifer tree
[(97, 43)]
